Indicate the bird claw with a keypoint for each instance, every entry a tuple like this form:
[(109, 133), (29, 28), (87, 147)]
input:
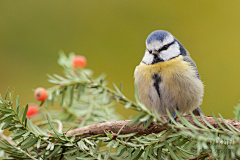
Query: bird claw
[(146, 122), (174, 115), (198, 111)]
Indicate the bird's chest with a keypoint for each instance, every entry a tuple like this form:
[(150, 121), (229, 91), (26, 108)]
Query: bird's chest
[(164, 83), (171, 74), (156, 81)]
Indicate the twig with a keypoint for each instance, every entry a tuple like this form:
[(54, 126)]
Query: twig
[(88, 115), (115, 126), (60, 125), (2, 136)]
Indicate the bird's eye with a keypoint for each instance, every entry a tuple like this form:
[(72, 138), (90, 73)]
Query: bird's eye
[(165, 47), (150, 51)]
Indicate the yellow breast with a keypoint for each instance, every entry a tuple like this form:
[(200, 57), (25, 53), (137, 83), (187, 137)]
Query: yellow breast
[(179, 86), (165, 68)]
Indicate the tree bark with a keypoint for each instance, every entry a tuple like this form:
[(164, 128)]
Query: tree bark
[(115, 126)]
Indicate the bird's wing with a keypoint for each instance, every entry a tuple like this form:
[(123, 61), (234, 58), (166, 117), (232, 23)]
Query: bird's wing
[(189, 60)]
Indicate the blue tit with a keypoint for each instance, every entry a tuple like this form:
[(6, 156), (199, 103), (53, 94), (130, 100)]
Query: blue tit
[(167, 77)]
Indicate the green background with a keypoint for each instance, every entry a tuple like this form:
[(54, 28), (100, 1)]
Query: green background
[(111, 35)]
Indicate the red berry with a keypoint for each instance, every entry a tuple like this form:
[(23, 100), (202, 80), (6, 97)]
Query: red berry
[(50, 133), (32, 110), (79, 61), (40, 94)]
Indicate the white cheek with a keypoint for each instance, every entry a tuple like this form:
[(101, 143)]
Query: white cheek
[(171, 52), (147, 58)]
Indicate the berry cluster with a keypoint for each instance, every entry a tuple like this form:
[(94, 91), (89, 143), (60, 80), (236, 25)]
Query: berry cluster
[(41, 93)]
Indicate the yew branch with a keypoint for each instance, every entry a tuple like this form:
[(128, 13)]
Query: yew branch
[(115, 126)]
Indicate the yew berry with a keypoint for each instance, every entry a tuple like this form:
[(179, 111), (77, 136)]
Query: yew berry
[(32, 110), (79, 61), (40, 94), (50, 133)]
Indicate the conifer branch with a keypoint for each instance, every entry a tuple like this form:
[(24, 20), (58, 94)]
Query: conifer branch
[(115, 126), (86, 104)]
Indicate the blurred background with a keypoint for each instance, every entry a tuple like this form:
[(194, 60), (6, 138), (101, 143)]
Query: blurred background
[(111, 35)]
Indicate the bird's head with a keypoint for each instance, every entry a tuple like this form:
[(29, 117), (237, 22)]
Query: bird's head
[(162, 46)]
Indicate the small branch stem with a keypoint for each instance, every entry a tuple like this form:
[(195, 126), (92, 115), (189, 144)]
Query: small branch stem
[(2, 136), (60, 125), (17, 148), (115, 126), (91, 105)]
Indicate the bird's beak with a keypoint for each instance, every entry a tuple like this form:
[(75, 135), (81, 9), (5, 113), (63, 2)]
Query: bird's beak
[(154, 52)]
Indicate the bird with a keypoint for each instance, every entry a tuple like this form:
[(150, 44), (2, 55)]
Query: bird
[(167, 77)]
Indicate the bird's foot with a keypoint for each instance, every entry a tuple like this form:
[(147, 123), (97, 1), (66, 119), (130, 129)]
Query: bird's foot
[(174, 115), (146, 121), (198, 111)]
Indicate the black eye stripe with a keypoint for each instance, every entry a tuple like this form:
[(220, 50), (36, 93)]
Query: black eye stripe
[(165, 47)]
